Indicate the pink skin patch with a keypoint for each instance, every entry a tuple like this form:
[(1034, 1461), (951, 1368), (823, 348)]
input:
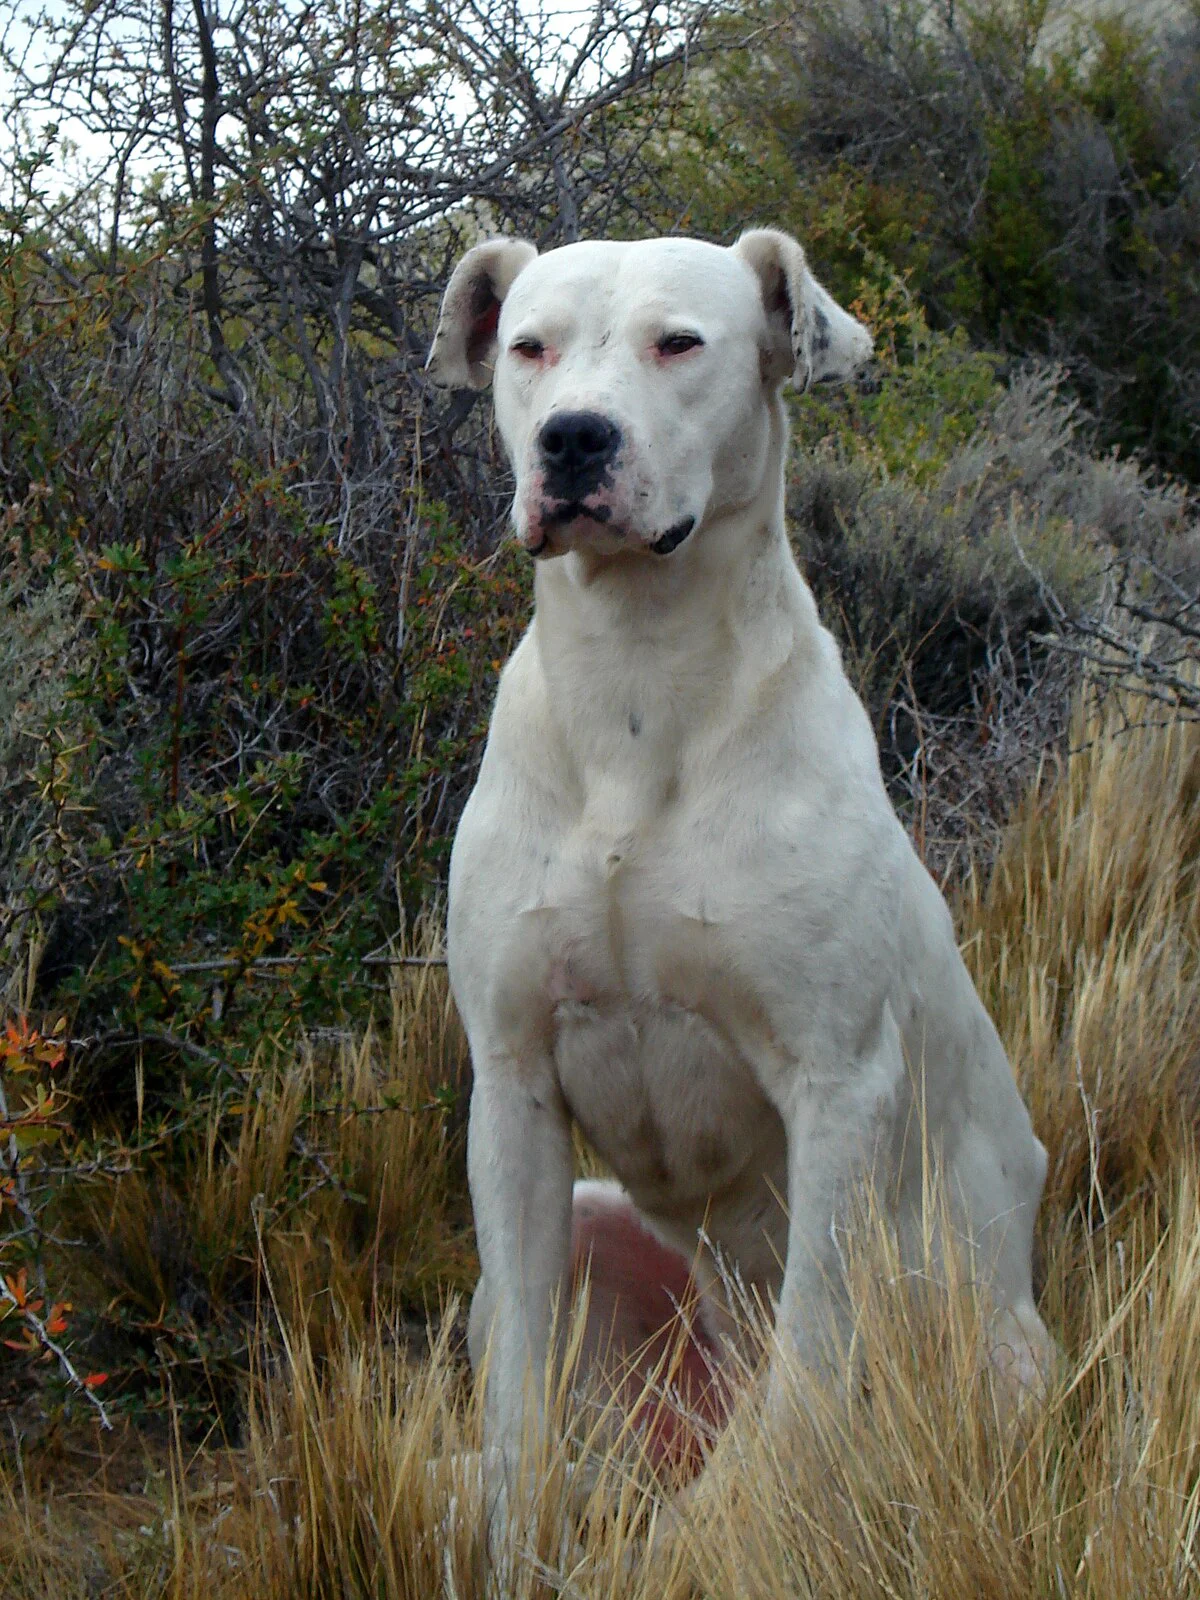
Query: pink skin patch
[(540, 530), (644, 1323)]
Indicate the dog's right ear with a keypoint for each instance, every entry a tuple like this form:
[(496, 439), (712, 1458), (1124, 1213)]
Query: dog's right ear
[(812, 340), (464, 346)]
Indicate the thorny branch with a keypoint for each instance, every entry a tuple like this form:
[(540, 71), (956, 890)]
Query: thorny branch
[(12, 1292), (1141, 638), (41, 1333)]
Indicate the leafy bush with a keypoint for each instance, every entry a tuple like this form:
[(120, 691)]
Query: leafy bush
[(1033, 172), (39, 643), (252, 734)]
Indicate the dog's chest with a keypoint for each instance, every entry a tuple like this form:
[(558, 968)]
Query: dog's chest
[(662, 1099), (651, 1078)]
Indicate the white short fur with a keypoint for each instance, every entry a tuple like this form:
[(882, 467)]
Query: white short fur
[(682, 909)]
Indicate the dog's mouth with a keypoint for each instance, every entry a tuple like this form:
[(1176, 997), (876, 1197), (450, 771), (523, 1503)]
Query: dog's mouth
[(673, 538), (567, 512), (562, 515)]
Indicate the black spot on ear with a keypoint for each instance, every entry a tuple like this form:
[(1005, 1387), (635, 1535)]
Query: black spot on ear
[(821, 336), (635, 723)]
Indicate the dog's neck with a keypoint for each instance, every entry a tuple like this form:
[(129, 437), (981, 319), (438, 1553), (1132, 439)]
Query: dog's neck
[(643, 655)]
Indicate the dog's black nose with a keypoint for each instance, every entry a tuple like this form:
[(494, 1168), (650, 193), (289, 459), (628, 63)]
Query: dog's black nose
[(576, 448)]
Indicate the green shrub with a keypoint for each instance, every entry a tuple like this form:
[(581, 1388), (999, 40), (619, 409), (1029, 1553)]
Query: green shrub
[(251, 724), (1030, 170)]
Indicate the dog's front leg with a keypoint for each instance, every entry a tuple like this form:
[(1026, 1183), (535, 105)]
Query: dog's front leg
[(520, 1165), (838, 1130)]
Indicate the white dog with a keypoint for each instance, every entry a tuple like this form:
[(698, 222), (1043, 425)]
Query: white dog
[(683, 912)]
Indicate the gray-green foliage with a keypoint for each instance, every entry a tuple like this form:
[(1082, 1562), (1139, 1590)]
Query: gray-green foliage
[(948, 523), (40, 644), (924, 575)]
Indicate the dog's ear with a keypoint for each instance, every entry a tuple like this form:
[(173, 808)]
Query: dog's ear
[(464, 346), (811, 337)]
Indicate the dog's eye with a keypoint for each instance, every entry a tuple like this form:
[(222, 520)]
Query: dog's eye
[(678, 344), (530, 349)]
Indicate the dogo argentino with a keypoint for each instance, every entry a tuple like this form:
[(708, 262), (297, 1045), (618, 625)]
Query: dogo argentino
[(683, 912)]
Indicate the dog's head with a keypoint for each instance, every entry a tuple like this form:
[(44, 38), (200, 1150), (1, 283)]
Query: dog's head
[(634, 383)]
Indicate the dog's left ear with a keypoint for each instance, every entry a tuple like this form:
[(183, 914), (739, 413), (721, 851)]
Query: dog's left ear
[(464, 346), (811, 338)]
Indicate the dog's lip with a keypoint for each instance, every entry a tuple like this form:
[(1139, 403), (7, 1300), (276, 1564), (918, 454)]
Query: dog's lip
[(576, 511), (561, 516), (674, 537), (569, 511)]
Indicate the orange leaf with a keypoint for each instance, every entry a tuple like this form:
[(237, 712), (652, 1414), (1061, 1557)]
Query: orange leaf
[(95, 1379), (56, 1322)]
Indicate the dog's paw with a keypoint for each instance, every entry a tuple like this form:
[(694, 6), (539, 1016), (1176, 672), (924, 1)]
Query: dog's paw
[(1023, 1357)]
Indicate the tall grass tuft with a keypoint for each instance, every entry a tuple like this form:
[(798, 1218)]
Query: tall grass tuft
[(1084, 940)]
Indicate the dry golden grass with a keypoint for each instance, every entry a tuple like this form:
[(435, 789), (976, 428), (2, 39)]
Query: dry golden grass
[(373, 1219), (918, 1481), (1084, 940)]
